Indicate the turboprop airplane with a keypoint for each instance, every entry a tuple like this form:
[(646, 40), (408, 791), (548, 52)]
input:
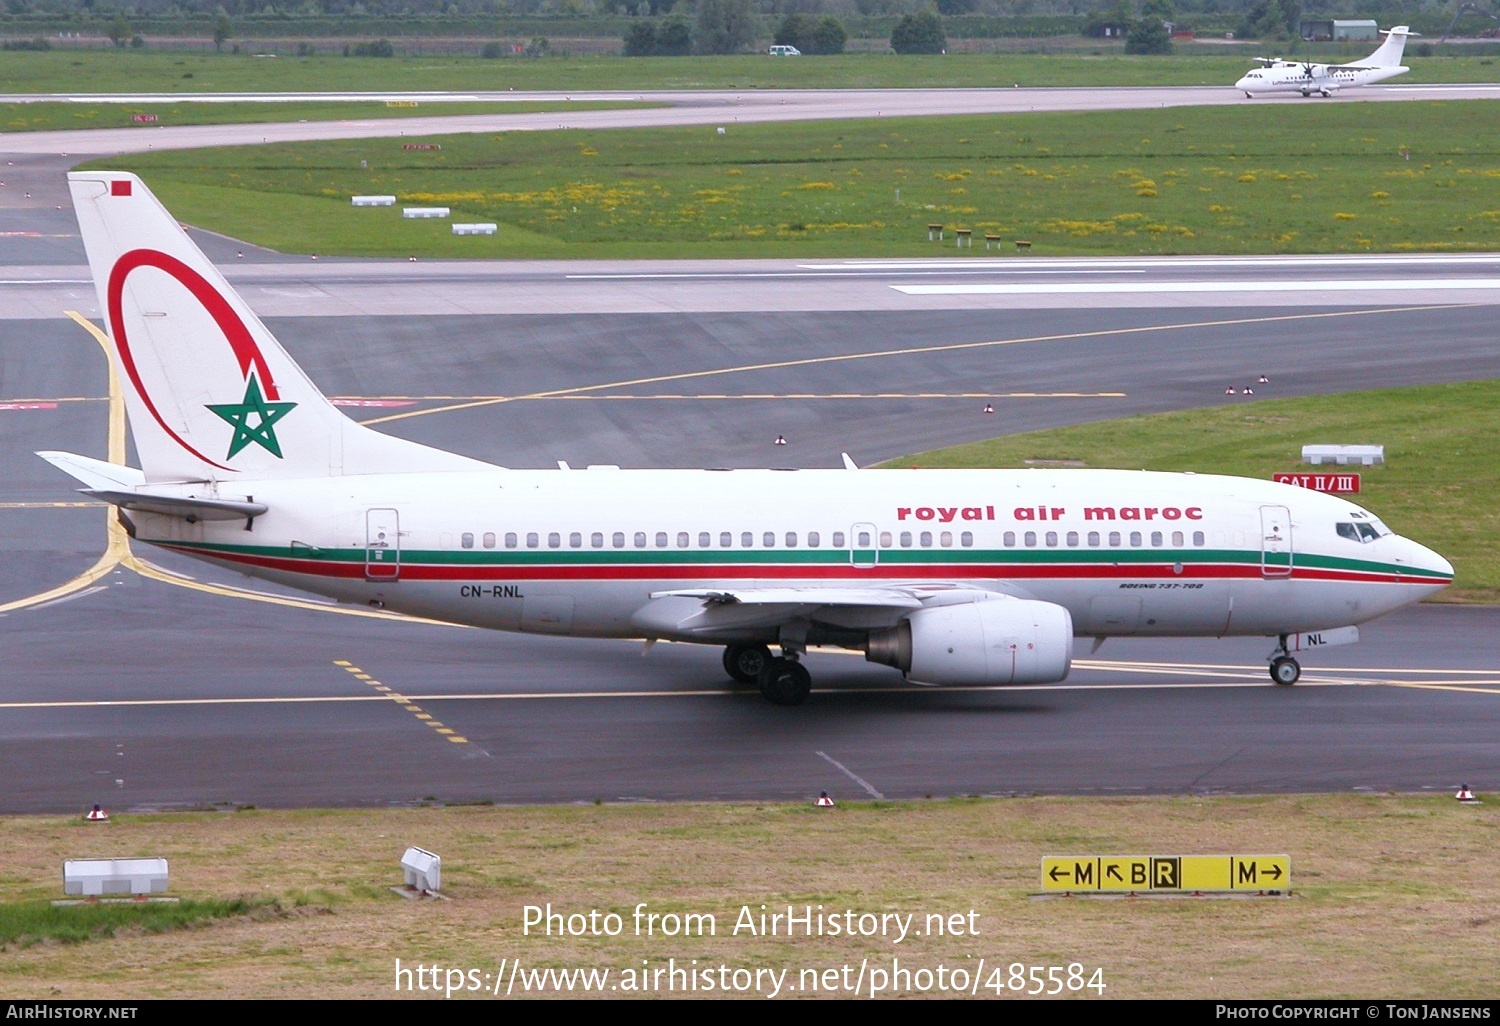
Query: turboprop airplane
[(1283, 76), (960, 577)]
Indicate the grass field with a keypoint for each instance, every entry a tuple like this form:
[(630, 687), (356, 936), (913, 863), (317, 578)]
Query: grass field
[(1393, 896), (1261, 178), (1439, 484), (42, 117), (66, 71)]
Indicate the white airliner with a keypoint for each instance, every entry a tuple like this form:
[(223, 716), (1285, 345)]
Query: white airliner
[(962, 577), (1283, 76)]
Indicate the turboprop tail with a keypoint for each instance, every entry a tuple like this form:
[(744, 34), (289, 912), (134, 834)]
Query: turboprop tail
[(211, 395), (1391, 51)]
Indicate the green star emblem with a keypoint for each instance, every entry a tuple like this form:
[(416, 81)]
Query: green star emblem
[(253, 420)]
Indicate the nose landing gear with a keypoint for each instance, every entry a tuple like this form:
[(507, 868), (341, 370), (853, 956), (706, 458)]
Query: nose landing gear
[(1284, 669)]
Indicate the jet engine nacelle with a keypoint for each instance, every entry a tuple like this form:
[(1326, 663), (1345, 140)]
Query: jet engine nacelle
[(1001, 641)]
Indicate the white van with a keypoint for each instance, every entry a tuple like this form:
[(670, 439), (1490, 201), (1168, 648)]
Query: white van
[(785, 51)]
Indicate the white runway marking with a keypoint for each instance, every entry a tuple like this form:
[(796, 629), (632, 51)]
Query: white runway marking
[(1296, 285), (1404, 261), (861, 781), (872, 271)]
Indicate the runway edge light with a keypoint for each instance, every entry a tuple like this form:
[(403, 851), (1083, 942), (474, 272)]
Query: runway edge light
[(824, 802), (1466, 796)]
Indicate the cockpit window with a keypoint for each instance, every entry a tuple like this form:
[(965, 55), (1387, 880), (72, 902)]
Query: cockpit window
[(1363, 529)]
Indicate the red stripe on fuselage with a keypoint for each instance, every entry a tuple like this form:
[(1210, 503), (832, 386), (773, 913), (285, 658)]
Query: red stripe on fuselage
[(841, 572)]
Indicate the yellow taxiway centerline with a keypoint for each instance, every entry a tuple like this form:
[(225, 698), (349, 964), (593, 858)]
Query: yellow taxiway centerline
[(117, 552), (407, 699), (909, 351)]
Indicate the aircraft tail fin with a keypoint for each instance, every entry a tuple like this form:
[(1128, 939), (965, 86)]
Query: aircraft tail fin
[(210, 393), (1391, 51)]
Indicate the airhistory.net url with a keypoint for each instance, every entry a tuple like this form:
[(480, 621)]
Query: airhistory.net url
[(688, 976)]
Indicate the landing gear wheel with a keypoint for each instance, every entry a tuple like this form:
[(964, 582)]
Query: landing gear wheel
[(744, 662), (785, 682), (1285, 670)]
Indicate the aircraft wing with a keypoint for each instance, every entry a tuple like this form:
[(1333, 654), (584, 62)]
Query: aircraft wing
[(717, 611), (896, 597)]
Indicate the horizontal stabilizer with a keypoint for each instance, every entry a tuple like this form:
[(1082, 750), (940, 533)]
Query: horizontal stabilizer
[(126, 487), (92, 472), (187, 507)]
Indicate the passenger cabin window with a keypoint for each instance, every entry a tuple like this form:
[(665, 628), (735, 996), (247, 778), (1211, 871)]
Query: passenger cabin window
[(532, 541), (618, 539), (640, 539), (489, 539), (966, 539), (575, 540), (704, 539), (596, 540), (684, 540), (769, 539), (791, 539), (906, 539), (813, 539), (946, 539), (467, 539), (1009, 538), (838, 539), (925, 539), (510, 539), (661, 539), (726, 540), (747, 539), (554, 540)]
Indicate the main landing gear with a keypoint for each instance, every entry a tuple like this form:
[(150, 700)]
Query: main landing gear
[(1284, 669), (782, 680)]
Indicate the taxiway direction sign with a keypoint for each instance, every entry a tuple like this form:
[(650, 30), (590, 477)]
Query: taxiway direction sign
[(1158, 873)]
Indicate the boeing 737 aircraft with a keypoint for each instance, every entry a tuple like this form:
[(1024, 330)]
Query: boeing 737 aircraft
[(962, 577), (1283, 76)]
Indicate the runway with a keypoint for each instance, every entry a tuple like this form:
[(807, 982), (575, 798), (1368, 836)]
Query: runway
[(144, 691)]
